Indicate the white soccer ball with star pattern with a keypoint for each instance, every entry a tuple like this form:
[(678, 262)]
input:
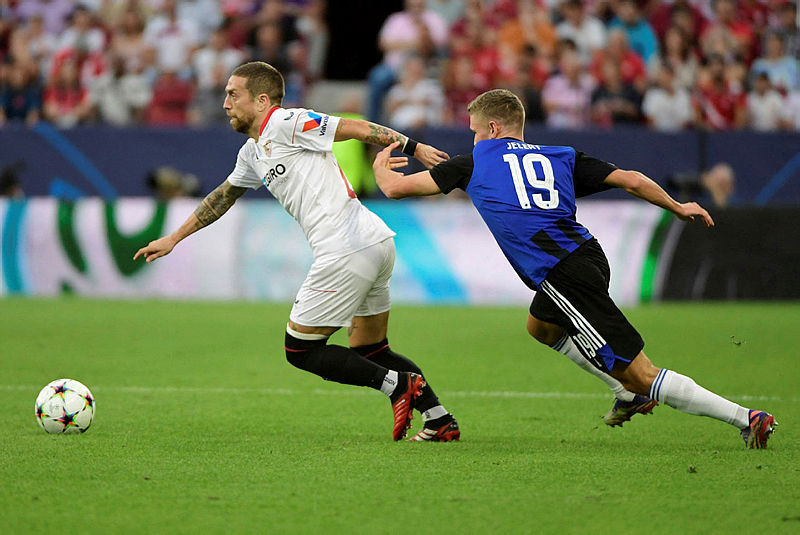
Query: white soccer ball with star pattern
[(65, 406)]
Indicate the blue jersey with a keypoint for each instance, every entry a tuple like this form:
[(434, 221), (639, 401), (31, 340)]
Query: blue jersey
[(526, 195)]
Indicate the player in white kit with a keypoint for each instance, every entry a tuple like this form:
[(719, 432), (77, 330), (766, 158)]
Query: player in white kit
[(289, 152)]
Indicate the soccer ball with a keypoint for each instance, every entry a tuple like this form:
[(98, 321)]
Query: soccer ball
[(65, 406)]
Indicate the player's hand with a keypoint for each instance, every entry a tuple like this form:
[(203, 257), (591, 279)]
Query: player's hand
[(690, 210), (156, 249), (385, 160), (430, 156)]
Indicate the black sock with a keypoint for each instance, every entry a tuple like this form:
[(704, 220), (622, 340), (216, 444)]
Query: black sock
[(382, 355), (334, 363)]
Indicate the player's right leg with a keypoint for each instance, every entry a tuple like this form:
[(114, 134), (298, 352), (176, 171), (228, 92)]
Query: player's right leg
[(556, 337), (573, 313), (682, 393)]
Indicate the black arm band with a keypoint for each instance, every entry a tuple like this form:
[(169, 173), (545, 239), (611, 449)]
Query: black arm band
[(410, 147)]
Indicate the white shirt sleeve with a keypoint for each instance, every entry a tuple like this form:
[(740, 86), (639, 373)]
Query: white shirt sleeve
[(243, 175), (309, 130)]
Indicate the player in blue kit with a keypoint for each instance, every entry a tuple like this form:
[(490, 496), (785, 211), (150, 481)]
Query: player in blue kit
[(526, 195)]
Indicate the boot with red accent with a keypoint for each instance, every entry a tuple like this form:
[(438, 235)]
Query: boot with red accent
[(409, 387)]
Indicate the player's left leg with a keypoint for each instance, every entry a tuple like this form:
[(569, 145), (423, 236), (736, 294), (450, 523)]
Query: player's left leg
[(368, 336), (682, 393), (327, 300), (438, 424)]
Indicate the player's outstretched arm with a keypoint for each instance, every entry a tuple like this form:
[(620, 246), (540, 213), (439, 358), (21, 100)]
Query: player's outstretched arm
[(641, 186), (397, 185), (209, 210), (380, 135)]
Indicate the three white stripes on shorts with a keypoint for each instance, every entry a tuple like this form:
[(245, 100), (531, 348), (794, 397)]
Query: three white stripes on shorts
[(580, 323)]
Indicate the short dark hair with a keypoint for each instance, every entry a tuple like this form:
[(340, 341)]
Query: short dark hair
[(499, 105), (262, 78)]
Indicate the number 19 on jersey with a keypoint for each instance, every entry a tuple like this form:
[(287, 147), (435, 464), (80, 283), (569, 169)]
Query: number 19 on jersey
[(546, 182)]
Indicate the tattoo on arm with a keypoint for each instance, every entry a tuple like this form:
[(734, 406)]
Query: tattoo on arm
[(217, 203), (380, 135)]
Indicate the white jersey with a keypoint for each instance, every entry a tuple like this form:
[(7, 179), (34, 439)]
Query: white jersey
[(293, 159)]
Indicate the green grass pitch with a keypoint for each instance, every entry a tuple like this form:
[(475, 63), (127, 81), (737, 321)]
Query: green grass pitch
[(202, 426)]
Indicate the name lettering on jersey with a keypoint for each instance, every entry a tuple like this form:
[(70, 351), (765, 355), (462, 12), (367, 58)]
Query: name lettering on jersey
[(324, 125), (313, 122), (273, 173), (518, 145)]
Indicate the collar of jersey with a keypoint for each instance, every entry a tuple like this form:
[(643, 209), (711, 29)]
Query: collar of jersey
[(266, 119)]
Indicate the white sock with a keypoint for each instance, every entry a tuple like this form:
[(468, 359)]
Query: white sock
[(389, 383), (434, 412), (682, 393), (567, 347)]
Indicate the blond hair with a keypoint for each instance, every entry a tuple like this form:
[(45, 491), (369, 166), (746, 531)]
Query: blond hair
[(262, 78), (501, 106)]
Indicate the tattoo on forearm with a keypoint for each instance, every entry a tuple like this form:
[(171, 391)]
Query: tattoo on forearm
[(380, 135), (216, 204)]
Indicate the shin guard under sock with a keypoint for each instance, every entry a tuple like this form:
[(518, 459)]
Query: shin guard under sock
[(332, 362)]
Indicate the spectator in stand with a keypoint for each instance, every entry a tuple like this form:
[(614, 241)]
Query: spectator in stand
[(476, 17), (32, 42), (566, 96), (667, 105), (786, 26), (416, 101), (121, 95), (678, 55), (662, 18), (173, 39), (415, 30), (613, 101), (313, 31), (274, 12), (172, 96), (683, 18), (717, 105), (479, 42), (205, 14), (213, 64), (585, 30), (631, 65), (720, 183), (20, 97), (641, 37), (66, 102), (533, 71), (449, 10), (54, 13), (781, 69), (269, 47), (756, 14), (728, 35), (81, 33), (460, 89), (765, 106), (296, 79), (127, 40), (792, 111), (531, 27)]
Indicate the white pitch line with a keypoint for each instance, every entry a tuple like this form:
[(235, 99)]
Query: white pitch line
[(363, 391)]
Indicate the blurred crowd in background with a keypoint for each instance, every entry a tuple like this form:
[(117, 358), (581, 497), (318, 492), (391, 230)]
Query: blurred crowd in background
[(670, 65)]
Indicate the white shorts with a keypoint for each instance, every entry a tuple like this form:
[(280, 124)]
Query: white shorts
[(354, 285)]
